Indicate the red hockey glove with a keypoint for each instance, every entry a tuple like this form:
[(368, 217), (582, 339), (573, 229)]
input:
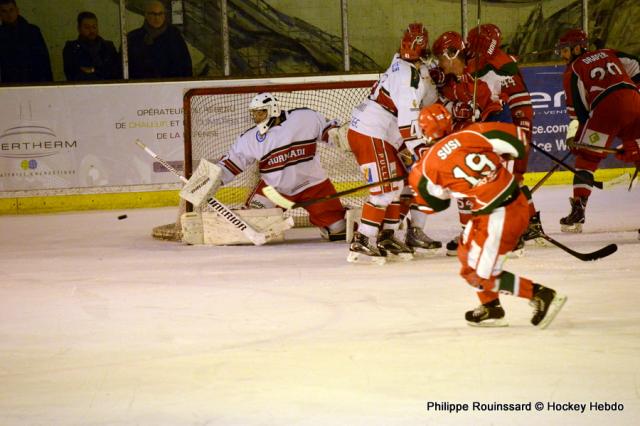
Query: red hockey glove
[(438, 76), (461, 110), (630, 153), (524, 124)]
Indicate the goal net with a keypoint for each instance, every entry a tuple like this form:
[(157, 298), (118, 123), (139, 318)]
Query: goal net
[(215, 117)]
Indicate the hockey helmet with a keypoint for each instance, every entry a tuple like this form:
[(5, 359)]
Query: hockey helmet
[(435, 122), (484, 40), (415, 42), (449, 44), (268, 102), (571, 38)]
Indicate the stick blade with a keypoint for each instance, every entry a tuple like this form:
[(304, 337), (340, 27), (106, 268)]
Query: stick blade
[(271, 193), (599, 254)]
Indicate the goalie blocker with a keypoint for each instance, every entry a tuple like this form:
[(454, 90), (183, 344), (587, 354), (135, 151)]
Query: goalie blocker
[(204, 182)]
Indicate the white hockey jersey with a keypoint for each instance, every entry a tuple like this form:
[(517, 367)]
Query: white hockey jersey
[(395, 102), (286, 154)]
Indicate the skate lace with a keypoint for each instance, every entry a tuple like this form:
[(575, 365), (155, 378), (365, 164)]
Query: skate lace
[(537, 305)]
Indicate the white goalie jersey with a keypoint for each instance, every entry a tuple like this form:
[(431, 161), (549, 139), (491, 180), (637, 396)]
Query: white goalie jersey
[(395, 102), (286, 154)]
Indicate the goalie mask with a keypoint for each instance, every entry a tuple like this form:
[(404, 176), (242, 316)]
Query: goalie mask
[(415, 42), (435, 122), (264, 109)]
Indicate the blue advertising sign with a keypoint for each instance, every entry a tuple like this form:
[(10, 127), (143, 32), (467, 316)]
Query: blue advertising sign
[(550, 119)]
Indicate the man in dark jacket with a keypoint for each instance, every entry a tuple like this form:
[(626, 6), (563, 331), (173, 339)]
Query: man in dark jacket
[(90, 57), (157, 49), (24, 56)]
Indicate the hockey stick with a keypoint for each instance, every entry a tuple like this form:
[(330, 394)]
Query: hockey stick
[(592, 182), (586, 257), (271, 193), (549, 173), (609, 151), (223, 211)]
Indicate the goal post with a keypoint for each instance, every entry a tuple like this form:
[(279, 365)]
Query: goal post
[(215, 116)]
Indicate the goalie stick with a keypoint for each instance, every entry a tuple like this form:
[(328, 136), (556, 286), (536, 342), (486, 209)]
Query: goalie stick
[(586, 257), (271, 193), (223, 211), (593, 182)]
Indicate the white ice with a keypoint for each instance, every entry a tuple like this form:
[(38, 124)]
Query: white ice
[(102, 325)]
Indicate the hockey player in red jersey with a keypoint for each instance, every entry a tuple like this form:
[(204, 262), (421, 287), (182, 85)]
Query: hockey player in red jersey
[(457, 94), (469, 163), (601, 88), (489, 63), (380, 128)]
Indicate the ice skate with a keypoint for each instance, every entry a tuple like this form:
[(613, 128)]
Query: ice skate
[(534, 231), (574, 221), (546, 305), (452, 246), (417, 239), (388, 243), (361, 247), (488, 315)]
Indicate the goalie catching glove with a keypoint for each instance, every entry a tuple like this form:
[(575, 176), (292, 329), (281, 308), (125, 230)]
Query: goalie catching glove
[(204, 182)]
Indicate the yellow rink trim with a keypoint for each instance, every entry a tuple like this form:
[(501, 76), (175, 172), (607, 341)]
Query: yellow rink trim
[(133, 200)]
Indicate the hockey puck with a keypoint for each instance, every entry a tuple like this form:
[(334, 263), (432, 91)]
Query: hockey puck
[(122, 216)]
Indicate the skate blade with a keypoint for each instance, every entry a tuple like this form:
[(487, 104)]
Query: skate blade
[(556, 305), (539, 242), (425, 251), (452, 253), (491, 323), (361, 258), (405, 257), (576, 228)]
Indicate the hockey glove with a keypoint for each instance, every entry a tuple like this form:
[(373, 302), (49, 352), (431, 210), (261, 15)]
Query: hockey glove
[(630, 152), (204, 182), (338, 137), (438, 76)]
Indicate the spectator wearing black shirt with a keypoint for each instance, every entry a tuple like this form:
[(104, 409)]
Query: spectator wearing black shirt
[(157, 49), (90, 57), (24, 57)]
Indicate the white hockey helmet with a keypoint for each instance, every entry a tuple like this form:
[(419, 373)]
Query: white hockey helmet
[(266, 101)]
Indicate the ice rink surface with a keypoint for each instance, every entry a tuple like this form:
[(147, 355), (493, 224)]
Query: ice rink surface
[(102, 325)]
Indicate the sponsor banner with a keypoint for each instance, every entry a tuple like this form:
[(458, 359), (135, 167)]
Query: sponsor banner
[(550, 121), (81, 136)]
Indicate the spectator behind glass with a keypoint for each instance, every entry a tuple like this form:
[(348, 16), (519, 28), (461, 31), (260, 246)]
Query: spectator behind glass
[(90, 57), (24, 56), (157, 49)]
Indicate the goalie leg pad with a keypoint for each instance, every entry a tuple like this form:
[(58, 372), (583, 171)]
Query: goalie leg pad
[(192, 231), (271, 222), (204, 182)]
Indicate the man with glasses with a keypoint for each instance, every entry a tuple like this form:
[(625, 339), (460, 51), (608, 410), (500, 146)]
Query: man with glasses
[(157, 49)]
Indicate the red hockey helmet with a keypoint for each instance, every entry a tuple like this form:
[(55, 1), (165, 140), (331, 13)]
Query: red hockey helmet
[(435, 122), (449, 43), (484, 40), (415, 42), (571, 38)]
